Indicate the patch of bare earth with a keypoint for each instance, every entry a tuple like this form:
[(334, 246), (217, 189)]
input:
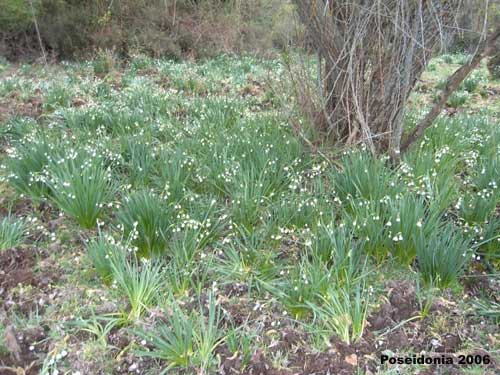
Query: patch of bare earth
[(22, 291), (393, 328)]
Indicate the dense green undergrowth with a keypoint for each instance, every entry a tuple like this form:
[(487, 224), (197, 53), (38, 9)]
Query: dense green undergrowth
[(184, 180)]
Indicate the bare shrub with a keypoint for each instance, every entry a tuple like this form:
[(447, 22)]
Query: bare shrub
[(173, 28), (370, 56)]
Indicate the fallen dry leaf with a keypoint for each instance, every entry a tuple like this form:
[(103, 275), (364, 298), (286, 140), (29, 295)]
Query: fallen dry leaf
[(352, 359)]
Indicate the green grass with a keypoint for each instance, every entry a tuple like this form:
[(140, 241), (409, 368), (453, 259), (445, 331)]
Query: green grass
[(101, 252), (139, 282), (173, 342), (12, 232), (244, 261), (443, 257), (186, 339), (343, 311), (207, 226), (81, 187), (363, 176), (147, 219), (458, 99), (489, 241), (27, 166)]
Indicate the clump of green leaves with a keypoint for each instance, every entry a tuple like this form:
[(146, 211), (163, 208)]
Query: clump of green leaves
[(140, 282), (16, 127), (138, 159), (336, 248), (363, 176), (147, 219), (303, 285), (369, 221), (425, 298), (483, 193), (98, 326), (27, 167), (102, 252), (244, 260), (332, 257), (472, 82), (343, 311), (12, 232), (174, 173), (173, 342), (410, 222), (442, 257), (448, 59), (104, 63), (81, 187), (186, 340), (198, 226), (489, 245), (476, 207), (458, 99), (489, 309), (57, 96)]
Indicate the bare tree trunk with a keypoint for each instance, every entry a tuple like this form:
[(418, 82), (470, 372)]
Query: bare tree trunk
[(486, 48), (38, 33)]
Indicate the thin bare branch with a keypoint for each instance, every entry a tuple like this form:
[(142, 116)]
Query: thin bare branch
[(485, 49)]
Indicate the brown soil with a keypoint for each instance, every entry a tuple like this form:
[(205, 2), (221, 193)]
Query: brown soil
[(26, 345), (30, 108), (16, 267), (25, 349), (380, 335)]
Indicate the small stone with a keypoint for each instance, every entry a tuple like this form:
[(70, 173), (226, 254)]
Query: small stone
[(132, 367), (435, 343)]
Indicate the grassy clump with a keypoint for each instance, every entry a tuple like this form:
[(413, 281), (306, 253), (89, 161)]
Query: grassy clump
[(27, 167), (139, 282), (458, 99), (482, 196), (12, 232), (489, 243), (81, 187), (172, 343), (442, 258), (102, 251), (471, 84), (186, 340), (363, 176), (244, 261), (410, 222), (147, 219)]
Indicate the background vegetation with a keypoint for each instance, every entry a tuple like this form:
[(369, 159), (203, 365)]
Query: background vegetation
[(175, 28), (171, 28)]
